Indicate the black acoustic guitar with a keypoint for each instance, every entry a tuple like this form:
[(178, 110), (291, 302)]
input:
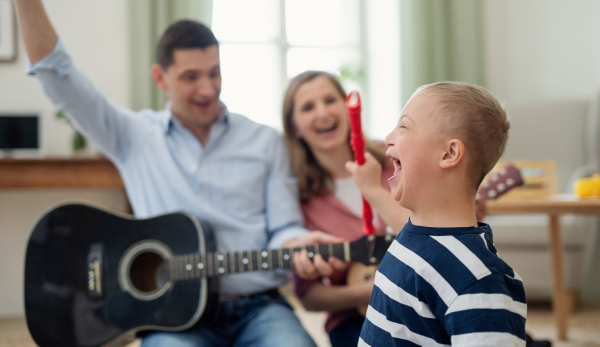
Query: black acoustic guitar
[(93, 277)]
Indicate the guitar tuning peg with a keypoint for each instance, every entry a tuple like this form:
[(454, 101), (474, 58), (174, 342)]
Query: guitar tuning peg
[(500, 187), (492, 194), (510, 182)]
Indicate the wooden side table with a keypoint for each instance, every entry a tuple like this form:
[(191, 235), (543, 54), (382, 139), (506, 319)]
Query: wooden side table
[(554, 206)]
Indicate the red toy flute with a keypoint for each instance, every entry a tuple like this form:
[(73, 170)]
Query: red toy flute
[(358, 146)]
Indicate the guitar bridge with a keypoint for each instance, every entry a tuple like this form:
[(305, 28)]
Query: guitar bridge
[(94, 274)]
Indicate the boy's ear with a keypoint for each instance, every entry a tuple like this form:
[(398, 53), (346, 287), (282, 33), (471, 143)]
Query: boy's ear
[(453, 154), (159, 76)]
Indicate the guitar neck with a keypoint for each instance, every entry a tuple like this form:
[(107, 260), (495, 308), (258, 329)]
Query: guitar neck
[(192, 266)]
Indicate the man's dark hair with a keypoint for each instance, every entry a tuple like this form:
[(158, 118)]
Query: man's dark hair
[(183, 34)]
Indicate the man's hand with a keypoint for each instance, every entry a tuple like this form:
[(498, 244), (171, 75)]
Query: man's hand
[(312, 269)]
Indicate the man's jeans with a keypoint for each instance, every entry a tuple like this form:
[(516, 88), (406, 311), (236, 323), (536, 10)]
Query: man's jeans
[(258, 321)]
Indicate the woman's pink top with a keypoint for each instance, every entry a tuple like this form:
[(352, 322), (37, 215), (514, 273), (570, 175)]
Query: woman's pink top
[(326, 213)]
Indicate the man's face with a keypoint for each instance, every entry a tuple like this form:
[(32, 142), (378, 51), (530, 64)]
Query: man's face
[(414, 148), (193, 85)]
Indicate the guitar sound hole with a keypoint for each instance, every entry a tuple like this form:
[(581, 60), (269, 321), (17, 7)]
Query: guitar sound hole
[(147, 272)]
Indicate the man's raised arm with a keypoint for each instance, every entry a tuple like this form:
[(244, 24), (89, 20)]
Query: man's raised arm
[(38, 34)]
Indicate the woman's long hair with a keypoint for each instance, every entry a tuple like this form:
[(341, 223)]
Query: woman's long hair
[(312, 177)]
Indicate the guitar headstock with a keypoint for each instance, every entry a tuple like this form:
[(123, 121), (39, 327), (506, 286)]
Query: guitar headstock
[(500, 182), (370, 249)]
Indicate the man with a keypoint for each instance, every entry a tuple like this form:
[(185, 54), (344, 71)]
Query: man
[(194, 155)]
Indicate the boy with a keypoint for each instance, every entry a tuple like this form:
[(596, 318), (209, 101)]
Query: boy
[(441, 281)]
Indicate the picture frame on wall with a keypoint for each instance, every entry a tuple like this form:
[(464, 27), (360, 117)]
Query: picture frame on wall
[(8, 32)]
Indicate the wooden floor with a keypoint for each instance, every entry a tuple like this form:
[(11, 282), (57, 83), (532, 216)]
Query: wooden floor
[(14, 333), (584, 327)]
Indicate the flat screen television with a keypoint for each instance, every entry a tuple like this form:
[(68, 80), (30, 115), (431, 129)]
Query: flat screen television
[(19, 135)]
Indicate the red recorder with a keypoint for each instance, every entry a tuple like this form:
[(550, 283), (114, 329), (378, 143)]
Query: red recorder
[(358, 146)]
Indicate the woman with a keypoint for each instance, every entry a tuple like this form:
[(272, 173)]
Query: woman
[(317, 135)]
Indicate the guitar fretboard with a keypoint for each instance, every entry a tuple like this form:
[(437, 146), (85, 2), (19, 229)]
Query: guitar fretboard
[(193, 266)]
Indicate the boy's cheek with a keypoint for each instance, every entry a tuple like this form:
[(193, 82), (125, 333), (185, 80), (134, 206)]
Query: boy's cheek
[(395, 190)]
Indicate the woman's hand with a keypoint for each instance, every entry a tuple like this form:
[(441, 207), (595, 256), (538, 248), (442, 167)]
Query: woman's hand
[(317, 267), (312, 269)]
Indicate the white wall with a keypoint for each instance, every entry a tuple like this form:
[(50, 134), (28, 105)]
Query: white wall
[(383, 106), (96, 34), (542, 50)]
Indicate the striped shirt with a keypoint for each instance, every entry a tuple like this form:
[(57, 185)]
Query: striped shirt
[(445, 286)]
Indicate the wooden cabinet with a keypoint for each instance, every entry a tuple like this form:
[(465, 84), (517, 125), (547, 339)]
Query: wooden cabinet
[(94, 172)]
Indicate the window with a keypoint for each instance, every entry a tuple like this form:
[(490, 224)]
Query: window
[(264, 43)]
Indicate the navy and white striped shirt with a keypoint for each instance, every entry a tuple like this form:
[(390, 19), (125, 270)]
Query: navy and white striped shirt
[(442, 286)]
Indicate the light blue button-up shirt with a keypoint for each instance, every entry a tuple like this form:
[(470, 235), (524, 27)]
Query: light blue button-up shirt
[(240, 182)]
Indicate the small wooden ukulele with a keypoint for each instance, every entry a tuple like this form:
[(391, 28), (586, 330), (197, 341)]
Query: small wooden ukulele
[(500, 182)]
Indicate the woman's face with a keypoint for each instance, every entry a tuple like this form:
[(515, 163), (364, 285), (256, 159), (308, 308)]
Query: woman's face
[(320, 116)]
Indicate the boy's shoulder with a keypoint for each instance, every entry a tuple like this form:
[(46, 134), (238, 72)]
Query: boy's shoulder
[(447, 285), (461, 256), (454, 275)]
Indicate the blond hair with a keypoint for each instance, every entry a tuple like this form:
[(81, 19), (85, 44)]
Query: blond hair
[(474, 116), (312, 178)]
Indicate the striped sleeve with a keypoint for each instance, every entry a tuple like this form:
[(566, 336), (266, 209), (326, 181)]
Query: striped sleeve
[(488, 313), (440, 287)]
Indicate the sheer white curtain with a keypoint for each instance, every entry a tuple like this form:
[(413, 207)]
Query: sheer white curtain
[(264, 43), (440, 40)]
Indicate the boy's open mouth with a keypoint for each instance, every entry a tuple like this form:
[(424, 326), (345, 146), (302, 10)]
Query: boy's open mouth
[(397, 168)]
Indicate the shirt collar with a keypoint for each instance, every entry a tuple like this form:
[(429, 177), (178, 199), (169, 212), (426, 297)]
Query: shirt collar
[(168, 119), (418, 229)]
